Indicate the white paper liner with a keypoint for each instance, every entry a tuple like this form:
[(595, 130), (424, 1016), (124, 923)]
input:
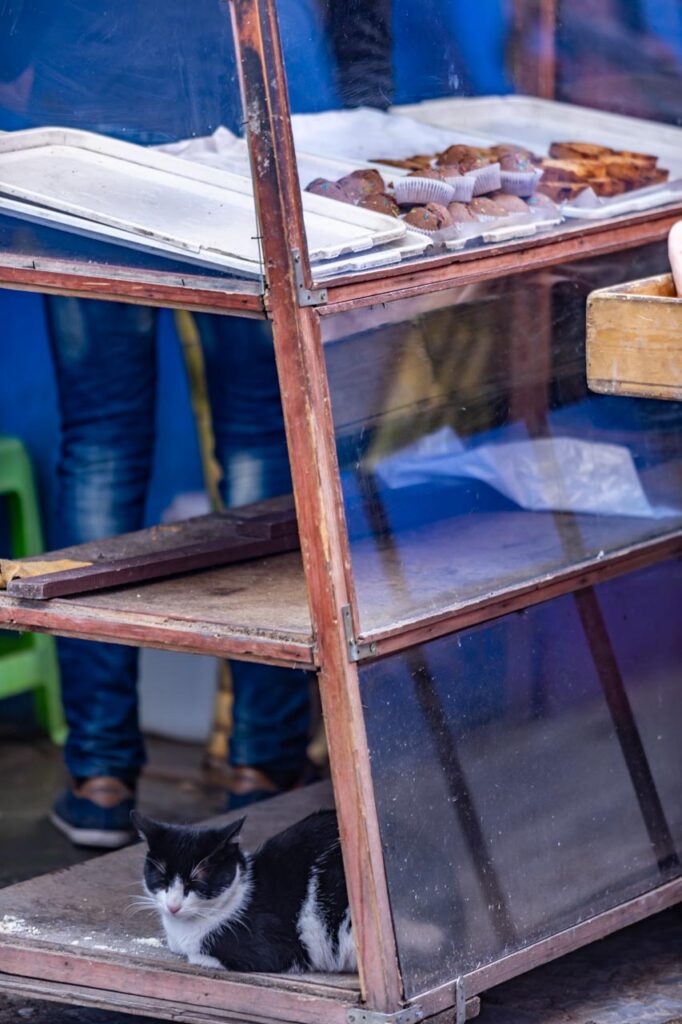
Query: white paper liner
[(462, 187), (451, 233), (421, 191), (520, 183), (496, 229), (486, 179)]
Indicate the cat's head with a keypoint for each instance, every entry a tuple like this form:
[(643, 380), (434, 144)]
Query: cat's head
[(188, 869)]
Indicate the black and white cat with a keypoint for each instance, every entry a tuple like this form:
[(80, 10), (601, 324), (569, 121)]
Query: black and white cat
[(282, 908)]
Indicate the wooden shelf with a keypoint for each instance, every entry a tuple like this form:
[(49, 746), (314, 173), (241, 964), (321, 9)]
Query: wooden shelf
[(559, 245), (71, 936), (85, 279), (255, 610)]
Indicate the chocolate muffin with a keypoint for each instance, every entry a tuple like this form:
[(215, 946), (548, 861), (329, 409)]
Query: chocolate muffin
[(431, 217), (512, 204), (482, 206), (458, 153), (512, 150), (324, 187), (381, 203), (460, 213), (426, 172), (515, 162), (539, 201), (361, 183), (450, 170), (474, 162)]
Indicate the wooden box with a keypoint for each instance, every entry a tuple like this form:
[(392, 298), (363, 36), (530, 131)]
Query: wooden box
[(634, 339)]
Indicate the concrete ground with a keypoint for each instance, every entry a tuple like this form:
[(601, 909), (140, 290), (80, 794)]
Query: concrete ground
[(634, 976)]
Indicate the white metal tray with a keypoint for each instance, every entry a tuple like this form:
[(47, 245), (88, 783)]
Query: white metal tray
[(187, 206), (536, 123)]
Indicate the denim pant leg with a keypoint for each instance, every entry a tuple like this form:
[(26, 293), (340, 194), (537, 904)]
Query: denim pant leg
[(271, 708), (105, 363)]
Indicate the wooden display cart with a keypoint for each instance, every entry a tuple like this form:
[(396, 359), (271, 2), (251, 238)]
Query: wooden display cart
[(381, 623)]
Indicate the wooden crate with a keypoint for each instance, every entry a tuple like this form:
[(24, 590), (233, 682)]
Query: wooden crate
[(634, 339)]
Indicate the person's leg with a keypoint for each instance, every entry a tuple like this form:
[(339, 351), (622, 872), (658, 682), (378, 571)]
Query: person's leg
[(105, 366), (271, 709)]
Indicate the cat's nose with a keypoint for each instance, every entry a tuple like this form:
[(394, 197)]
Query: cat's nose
[(173, 907)]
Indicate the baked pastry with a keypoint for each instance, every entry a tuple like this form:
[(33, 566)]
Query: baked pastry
[(460, 213), (426, 172), (510, 149), (578, 151), (482, 206), (380, 202), (431, 217), (330, 189), (607, 186), (512, 204), (410, 163), (541, 201), (459, 153), (450, 170), (642, 159), (515, 162), (361, 183), (562, 191), (474, 162), (572, 170)]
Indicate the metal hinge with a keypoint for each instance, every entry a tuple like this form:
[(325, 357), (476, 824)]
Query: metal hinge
[(306, 296), (460, 1002), (411, 1015), (356, 651)]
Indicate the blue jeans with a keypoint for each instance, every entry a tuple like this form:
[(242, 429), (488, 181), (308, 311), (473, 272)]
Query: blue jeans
[(105, 361)]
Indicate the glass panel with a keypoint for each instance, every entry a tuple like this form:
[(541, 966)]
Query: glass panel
[(473, 458), (141, 73), (527, 772), (440, 87)]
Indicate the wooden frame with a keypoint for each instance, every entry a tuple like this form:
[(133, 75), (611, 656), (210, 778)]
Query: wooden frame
[(325, 559)]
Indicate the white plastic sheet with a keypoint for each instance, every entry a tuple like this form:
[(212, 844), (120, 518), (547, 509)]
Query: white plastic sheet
[(557, 474)]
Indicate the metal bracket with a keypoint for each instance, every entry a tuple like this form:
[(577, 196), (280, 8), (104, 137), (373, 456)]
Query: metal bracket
[(411, 1015), (460, 1002), (307, 296), (356, 651)]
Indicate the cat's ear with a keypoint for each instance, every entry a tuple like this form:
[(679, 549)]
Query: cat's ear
[(231, 832), (146, 828)]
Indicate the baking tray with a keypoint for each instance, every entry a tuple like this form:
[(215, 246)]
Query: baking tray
[(154, 195), (536, 123)]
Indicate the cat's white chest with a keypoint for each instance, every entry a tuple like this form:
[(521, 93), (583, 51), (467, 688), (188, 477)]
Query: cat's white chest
[(184, 936)]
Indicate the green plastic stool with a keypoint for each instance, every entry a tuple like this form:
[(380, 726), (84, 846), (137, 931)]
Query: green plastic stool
[(28, 661)]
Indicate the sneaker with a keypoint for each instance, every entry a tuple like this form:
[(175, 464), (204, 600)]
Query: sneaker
[(96, 812), (248, 785)]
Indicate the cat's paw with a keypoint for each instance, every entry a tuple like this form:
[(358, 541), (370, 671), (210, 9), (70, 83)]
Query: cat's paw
[(201, 960)]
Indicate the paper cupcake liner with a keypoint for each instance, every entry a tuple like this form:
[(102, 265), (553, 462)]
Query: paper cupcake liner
[(520, 183), (486, 179), (422, 190), (462, 188), (440, 235)]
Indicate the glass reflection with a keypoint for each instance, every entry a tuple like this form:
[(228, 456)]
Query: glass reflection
[(473, 458), (527, 772)]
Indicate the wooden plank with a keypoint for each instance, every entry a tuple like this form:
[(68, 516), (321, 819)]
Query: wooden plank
[(634, 339), (151, 566), (254, 610), (224, 538), (121, 1002)]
